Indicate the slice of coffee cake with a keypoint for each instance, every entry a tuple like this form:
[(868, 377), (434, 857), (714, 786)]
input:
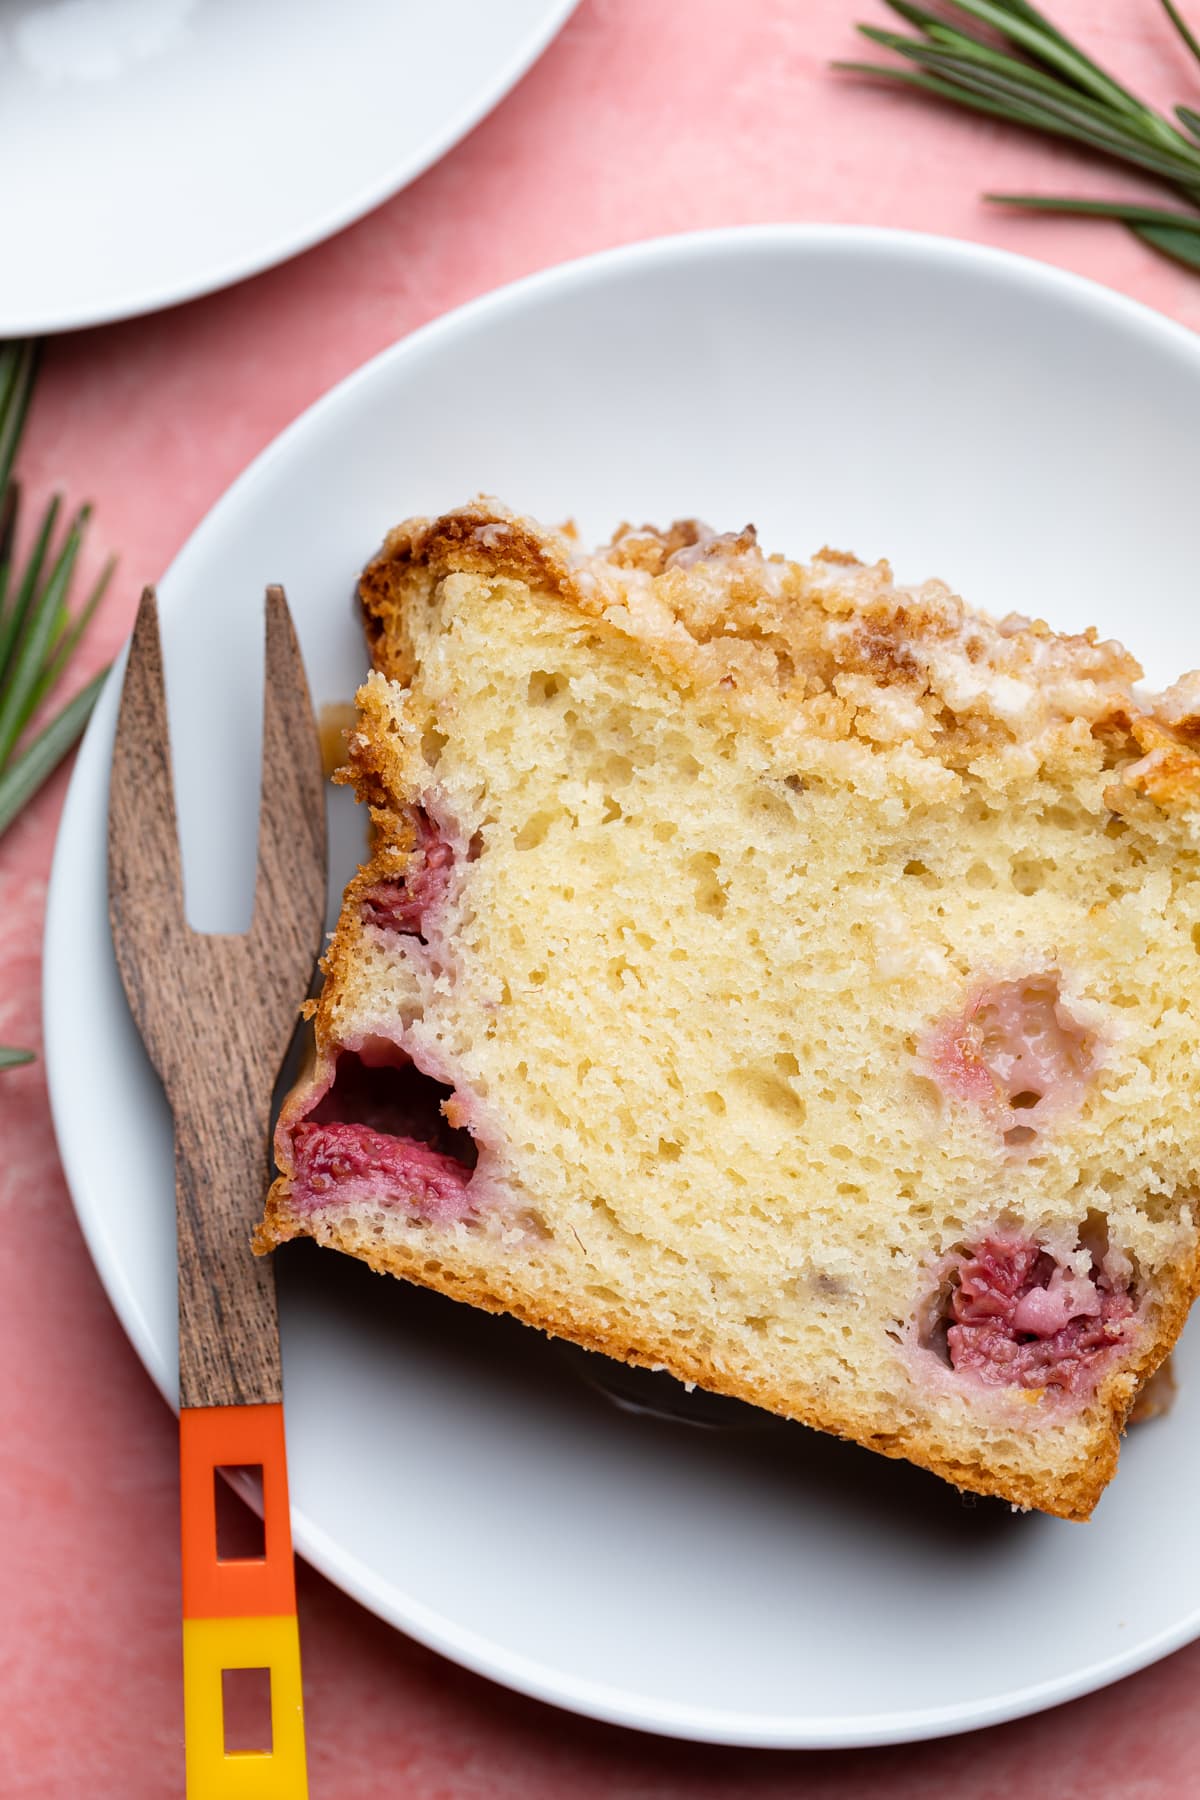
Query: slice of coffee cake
[(774, 975)]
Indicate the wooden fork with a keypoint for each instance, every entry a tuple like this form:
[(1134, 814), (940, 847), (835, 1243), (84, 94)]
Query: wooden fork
[(216, 1014)]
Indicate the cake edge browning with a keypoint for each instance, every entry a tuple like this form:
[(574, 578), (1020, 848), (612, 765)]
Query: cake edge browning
[(1154, 742), (1073, 1498)]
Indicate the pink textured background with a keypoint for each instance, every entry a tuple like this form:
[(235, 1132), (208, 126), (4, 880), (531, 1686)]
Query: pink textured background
[(647, 116)]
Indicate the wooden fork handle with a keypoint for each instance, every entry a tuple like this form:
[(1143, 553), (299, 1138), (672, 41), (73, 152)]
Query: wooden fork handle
[(238, 1614)]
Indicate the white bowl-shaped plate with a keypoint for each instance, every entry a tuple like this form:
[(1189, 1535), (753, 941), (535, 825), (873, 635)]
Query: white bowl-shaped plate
[(158, 149), (1026, 435)]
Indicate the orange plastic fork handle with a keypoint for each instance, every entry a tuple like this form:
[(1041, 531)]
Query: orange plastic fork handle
[(252, 1587)]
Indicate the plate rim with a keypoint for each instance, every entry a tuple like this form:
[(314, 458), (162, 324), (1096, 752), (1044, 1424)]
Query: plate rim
[(470, 1649), (366, 199)]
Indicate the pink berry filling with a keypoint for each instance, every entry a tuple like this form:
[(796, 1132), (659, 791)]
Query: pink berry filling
[(340, 1162), (1018, 1318), (1016, 1052), (379, 1136), (401, 905)]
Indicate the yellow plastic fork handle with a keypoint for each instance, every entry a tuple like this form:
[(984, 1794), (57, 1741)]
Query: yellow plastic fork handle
[(210, 1646)]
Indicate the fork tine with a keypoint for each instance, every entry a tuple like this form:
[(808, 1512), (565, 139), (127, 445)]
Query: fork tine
[(145, 880), (289, 893)]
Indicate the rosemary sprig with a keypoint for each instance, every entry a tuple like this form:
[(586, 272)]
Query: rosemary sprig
[(26, 775), (39, 631), (1006, 59)]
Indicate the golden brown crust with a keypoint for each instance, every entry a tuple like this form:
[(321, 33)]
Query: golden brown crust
[(1156, 1396), (1073, 1498), (848, 657), (1169, 770), (474, 540), (647, 547)]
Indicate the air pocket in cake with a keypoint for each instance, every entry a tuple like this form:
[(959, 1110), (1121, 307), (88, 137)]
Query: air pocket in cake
[(379, 1135)]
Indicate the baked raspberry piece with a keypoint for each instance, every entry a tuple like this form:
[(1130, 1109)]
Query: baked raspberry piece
[(1019, 1318), (403, 903), (351, 1163), (1016, 1052), (378, 1136)]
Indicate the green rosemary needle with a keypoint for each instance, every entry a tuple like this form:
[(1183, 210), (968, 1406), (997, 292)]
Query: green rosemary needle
[(39, 631), (1008, 60)]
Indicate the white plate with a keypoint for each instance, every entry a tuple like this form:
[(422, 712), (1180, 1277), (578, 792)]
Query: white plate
[(1027, 435), (164, 148)]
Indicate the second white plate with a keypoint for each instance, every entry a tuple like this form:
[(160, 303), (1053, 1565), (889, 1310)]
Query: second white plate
[(164, 148), (1027, 436)]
